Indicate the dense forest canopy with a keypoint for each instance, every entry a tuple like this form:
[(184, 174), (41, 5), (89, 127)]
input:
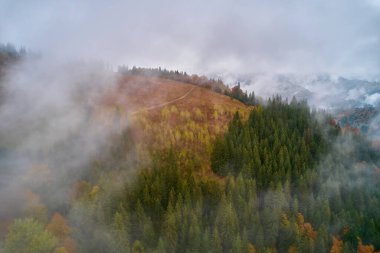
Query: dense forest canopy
[(279, 178), (190, 126), (290, 184)]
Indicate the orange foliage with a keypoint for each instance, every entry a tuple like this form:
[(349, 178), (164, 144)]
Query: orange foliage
[(69, 244), (348, 129), (58, 226), (292, 249), (4, 224), (365, 248), (33, 207), (305, 227), (32, 199), (333, 122), (310, 232), (337, 245)]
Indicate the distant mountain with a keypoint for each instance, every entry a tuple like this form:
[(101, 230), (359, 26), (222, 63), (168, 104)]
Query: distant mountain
[(360, 118), (355, 103), (321, 90)]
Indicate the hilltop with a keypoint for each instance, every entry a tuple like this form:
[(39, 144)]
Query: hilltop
[(163, 113), (150, 160)]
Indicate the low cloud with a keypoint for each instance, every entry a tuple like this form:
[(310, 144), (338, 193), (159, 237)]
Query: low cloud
[(205, 37), (48, 129)]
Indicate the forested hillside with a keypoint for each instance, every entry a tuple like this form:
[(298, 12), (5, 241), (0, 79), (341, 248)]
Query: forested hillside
[(190, 126), (291, 186), (191, 170), (216, 85)]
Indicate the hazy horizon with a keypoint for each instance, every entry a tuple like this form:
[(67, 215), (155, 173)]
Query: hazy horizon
[(340, 37)]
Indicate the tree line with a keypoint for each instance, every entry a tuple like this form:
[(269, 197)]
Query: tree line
[(216, 85)]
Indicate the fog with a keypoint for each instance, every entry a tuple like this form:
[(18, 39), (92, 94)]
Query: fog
[(291, 36), (268, 42), (49, 128), (48, 125), (44, 105)]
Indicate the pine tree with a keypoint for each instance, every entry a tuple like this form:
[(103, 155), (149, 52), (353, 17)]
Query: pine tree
[(170, 228), (121, 233), (216, 242), (227, 223)]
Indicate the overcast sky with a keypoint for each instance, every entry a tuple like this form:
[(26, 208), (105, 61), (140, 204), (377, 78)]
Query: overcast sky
[(335, 36)]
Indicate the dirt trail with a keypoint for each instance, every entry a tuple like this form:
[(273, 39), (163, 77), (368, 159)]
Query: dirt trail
[(163, 104)]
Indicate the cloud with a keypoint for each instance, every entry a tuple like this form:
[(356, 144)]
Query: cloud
[(205, 37), (373, 99), (49, 128), (374, 3)]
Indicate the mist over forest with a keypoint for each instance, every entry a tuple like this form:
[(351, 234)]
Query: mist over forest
[(184, 127)]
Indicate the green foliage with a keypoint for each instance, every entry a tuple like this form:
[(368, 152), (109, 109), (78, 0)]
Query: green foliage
[(273, 197), (286, 151), (278, 142), (282, 183), (29, 236)]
